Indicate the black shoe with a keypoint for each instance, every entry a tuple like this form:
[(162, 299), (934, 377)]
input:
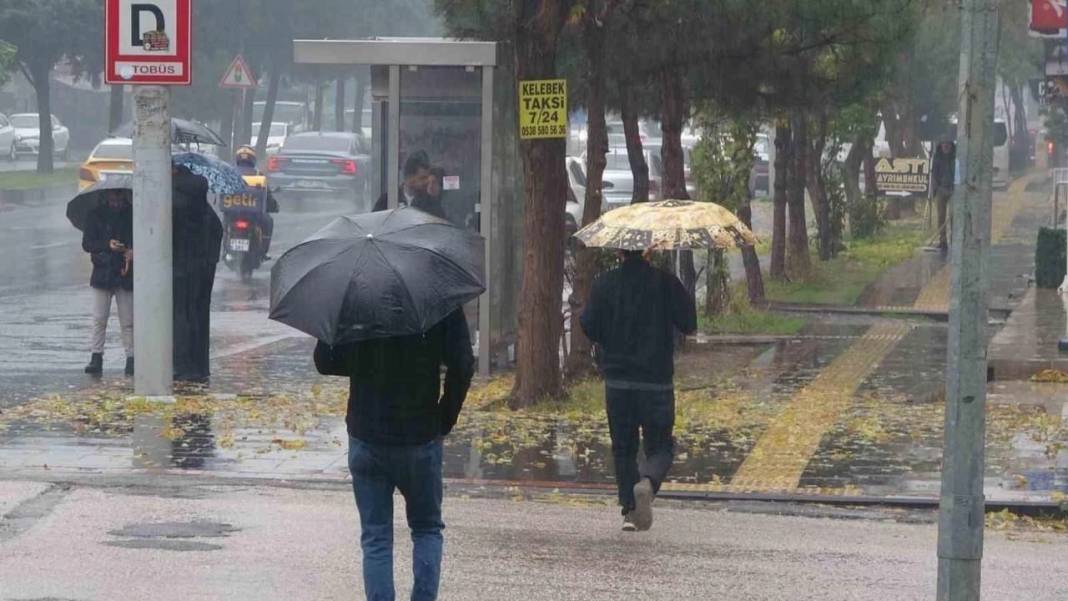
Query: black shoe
[(628, 522), (129, 366), (96, 364)]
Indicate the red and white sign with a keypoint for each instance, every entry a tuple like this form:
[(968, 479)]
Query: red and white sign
[(1048, 17), (238, 75), (147, 42)]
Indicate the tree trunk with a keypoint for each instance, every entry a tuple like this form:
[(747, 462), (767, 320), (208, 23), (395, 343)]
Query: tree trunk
[(245, 131), (851, 182), (673, 180), (871, 192), (639, 168), (817, 188), (339, 105), (545, 194), (1022, 142), (580, 356), (783, 160), (115, 112), (798, 263), (717, 292), (268, 110), (317, 115), (754, 279), (41, 73), (357, 105)]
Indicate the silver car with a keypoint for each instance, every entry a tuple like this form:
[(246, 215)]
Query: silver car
[(28, 135), (7, 139)]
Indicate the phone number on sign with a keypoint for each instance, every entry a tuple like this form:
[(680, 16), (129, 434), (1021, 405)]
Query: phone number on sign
[(544, 131)]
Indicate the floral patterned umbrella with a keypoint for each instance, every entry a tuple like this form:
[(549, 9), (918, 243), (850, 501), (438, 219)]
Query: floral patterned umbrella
[(222, 178), (667, 225)]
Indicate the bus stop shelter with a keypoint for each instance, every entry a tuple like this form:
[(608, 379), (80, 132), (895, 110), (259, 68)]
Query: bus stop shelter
[(433, 95)]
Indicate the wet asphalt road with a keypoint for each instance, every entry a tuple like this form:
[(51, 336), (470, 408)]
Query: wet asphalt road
[(45, 296)]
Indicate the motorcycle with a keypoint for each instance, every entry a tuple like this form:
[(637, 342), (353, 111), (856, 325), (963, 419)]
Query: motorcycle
[(245, 242)]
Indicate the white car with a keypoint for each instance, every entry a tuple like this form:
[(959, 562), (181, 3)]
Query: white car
[(27, 135), (7, 139), (576, 194), (275, 137)]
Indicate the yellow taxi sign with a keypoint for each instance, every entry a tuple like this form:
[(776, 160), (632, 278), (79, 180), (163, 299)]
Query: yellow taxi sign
[(543, 109)]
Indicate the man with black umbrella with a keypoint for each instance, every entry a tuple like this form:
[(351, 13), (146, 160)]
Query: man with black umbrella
[(397, 419), (108, 238)]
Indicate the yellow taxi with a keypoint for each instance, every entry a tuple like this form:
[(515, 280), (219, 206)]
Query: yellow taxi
[(111, 156)]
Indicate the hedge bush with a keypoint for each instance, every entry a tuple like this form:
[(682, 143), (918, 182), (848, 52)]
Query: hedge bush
[(1049, 258)]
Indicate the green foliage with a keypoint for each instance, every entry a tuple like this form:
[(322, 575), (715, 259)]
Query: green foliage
[(843, 279), (25, 180), (722, 160), (1049, 258), (7, 61), (742, 318)]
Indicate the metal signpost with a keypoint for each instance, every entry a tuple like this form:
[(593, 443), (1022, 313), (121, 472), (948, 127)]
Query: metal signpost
[(148, 45)]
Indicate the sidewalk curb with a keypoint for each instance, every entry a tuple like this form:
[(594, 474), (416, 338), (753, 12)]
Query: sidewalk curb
[(183, 483), (42, 195)]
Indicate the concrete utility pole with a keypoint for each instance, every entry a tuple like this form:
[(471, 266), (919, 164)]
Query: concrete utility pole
[(961, 509), (152, 235)]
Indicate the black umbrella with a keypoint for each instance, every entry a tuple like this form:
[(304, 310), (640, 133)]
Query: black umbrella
[(389, 273), (187, 188), (80, 206), (182, 132)]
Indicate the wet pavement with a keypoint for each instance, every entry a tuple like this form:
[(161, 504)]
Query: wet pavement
[(851, 407)]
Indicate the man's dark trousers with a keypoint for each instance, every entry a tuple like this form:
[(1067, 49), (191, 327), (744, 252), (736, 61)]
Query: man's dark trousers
[(650, 409)]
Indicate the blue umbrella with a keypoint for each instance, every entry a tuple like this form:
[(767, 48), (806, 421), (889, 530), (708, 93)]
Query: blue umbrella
[(222, 178)]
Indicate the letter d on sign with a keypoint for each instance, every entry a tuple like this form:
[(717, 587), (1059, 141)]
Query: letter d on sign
[(135, 21)]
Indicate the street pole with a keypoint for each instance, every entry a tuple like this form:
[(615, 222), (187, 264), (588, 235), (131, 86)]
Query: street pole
[(961, 508), (152, 235)]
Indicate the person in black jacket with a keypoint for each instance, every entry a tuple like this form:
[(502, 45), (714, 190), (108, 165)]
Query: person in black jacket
[(943, 181), (197, 240), (632, 316), (397, 417), (108, 238), (416, 175)]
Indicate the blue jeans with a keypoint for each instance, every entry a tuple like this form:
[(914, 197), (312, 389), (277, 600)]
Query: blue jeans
[(416, 472)]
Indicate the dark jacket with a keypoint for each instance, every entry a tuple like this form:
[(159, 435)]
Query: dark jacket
[(423, 202), (944, 169), (101, 226), (632, 316), (395, 383)]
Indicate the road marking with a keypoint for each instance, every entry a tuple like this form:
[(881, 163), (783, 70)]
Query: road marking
[(784, 450), (237, 349)]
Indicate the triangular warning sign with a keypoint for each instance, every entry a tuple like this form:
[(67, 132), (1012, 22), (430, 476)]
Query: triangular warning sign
[(238, 75)]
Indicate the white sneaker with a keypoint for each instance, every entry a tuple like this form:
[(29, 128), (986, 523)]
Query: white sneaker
[(643, 504), (628, 523)]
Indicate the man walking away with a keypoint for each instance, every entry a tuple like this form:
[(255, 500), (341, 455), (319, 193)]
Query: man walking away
[(632, 316), (396, 422), (108, 238), (943, 179)]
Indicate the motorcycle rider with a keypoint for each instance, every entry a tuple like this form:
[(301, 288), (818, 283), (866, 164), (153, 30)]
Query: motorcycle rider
[(245, 162)]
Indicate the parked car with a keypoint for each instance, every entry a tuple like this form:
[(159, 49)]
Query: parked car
[(28, 134), (576, 194), (275, 137), (322, 163), (7, 139), (619, 179), (111, 156)]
